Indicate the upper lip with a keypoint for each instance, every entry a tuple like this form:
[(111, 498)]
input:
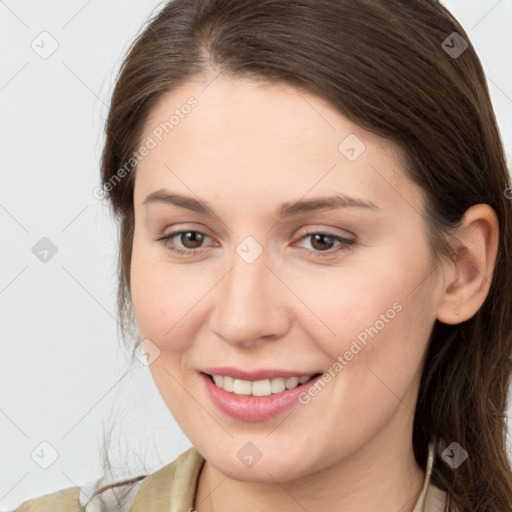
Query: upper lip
[(254, 375)]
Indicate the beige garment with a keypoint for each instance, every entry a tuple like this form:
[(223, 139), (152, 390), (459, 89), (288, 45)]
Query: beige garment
[(173, 487)]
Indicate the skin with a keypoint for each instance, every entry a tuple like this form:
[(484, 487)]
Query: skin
[(245, 149)]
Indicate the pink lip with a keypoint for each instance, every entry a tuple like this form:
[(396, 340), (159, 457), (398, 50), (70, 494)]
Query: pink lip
[(255, 374), (254, 408)]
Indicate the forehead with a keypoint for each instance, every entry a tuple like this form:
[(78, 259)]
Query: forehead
[(263, 137)]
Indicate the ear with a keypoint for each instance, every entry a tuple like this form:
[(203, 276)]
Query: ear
[(468, 276)]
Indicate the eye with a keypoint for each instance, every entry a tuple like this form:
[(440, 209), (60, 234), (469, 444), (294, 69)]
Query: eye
[(191, 240), (323, 243)]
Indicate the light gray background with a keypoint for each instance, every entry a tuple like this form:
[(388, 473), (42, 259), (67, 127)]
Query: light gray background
[(61, 363)]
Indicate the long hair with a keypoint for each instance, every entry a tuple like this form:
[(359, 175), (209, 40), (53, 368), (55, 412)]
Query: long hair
[(406, 71)]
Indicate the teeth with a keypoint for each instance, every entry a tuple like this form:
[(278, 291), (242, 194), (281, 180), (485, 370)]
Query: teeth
[(242, 387), (227, 383), (277, 385), (261, 387), (258, 387), (292, 382)]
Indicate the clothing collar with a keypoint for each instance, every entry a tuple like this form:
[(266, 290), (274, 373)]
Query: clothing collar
[(431, 498)]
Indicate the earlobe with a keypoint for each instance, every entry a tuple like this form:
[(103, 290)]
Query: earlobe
[(468, 276)]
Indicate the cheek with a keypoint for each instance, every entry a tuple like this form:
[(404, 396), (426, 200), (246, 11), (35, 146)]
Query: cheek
[(372, 319), (166, 299), (361, 299), (374, 328), (157, 296), (162, 300)]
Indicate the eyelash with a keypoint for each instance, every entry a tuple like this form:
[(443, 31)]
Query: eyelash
[(345, 243)]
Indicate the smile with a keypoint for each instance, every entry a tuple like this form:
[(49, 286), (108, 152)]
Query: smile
[(255, 400), (263, 387)]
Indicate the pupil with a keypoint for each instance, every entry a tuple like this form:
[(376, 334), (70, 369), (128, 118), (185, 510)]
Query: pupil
[(320, 237), (194, 237)]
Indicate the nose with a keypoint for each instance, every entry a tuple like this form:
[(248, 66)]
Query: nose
[(252, 304)]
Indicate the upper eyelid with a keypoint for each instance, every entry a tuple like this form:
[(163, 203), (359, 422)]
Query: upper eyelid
[(312, 230), (305, 234)]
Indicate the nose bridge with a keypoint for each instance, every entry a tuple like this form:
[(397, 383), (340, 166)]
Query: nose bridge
[(249, 306)]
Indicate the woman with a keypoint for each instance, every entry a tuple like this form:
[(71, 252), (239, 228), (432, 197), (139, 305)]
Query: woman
[(315, 244)]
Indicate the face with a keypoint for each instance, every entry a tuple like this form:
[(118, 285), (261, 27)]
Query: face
[(237, 271)]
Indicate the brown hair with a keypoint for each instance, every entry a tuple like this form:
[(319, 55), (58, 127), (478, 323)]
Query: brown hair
[(383, 65)]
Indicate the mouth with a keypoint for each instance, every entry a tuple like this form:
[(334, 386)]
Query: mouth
[(258, 399), (261, 387)]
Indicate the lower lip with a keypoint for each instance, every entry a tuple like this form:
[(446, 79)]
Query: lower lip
[(254, 408)]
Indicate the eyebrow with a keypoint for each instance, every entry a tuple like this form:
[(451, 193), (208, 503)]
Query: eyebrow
[(288, 209)]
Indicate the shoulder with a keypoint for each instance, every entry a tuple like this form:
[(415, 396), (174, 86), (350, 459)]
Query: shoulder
[(174, 483), (65, 500)]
